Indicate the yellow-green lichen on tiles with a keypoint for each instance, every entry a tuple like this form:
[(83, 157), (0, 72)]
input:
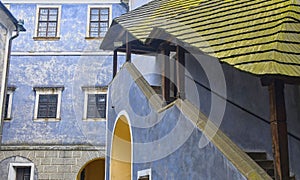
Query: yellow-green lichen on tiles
[(246, 34)]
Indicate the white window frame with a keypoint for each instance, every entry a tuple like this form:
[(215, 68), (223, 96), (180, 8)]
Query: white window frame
[(10, 92), (37, 20), (12, 173), (144, 172), (93, 90), (47, 91), (88, 18)]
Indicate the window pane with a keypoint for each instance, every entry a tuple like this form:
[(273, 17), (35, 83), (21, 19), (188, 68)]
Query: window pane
[(104, 17), (94, 34), (103, 24), (94, 30), (43, 11), (99, 17), (51, 34), (42, 29), (94, 18), (47, 106), (96, 106), (52, 18), (47, 18), (94, 11), (43, 98), (23, 173), (102, 34), (52, 98), (43, 17), (6, 106), (53, 11), (95, 24), (52, 29), (41, 34), (104, 11), (42, 24), (103, 29)]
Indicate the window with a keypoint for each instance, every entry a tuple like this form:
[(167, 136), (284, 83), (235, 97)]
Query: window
[(99, 20), (144, 174), (95, 103), (8, 103), (47, 103), (47, 106), (21, 171), (96, 106), (48, 22)]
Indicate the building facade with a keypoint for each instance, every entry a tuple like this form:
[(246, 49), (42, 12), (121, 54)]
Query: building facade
[(55, 125), (10, 28), (229, 103)]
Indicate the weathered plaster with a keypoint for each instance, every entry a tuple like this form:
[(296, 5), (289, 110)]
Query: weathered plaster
[(246, 117), (166, 142), (73, 28), (70, 72)]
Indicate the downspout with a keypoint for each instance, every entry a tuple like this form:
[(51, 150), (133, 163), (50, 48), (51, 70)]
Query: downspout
[(6, 77)]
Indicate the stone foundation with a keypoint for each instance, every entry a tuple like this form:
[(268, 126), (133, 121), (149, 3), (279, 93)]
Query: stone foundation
[(51, 162)]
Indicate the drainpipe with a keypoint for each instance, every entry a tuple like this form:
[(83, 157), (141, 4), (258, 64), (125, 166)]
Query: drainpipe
[(20, 23)]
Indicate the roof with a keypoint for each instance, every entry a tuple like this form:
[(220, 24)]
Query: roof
[(260, 37), (18, 25)]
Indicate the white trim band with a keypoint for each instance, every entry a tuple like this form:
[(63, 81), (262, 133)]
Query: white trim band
[(66, 53), (61, 1)]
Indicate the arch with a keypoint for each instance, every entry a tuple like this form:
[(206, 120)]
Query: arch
[(121, 150), (92, 170)]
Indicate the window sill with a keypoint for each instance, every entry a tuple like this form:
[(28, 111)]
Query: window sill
[(94, 119), (7, 119), (46, 120), (46, 38), (94, 38)]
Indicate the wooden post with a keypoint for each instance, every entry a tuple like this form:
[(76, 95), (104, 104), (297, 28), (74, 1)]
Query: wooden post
[(279, 129), (128, 48), (180, 71), (115, 63), (166, 74)]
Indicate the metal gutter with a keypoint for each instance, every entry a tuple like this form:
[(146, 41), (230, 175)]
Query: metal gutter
[(18, 24)]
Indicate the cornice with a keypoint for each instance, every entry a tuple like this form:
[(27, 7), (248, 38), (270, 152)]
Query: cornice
[(60, 1)]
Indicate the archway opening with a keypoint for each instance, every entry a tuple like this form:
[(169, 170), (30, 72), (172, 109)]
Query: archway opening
[(120, 162), (93, 170)]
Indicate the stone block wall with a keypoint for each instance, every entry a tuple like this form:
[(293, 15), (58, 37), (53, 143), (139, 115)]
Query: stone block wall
[(63, 163)]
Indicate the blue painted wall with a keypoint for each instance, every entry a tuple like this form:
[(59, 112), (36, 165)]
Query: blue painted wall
[(246, 116), (166, 142), (73, 28), (70, 71)]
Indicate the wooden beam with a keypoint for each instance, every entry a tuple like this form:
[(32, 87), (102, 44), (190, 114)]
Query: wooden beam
[(286, 79), (115, 63), (166, 74), (180, 71), (279, 129), (128, 48), (174, 85)]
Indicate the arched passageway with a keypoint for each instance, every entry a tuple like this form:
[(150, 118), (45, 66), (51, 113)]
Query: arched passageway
[(93, 170), (121, 152)]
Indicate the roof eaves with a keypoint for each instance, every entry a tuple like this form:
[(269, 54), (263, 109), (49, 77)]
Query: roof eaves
[(19, 26)]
